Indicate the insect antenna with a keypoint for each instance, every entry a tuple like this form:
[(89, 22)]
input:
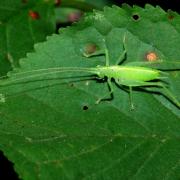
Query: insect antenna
[(76, 79), (39, 73)]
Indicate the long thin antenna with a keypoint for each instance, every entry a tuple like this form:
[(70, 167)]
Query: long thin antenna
[(44, 72)]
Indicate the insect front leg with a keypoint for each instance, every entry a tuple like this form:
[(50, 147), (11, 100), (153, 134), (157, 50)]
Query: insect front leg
[(123, 55), (99, 52), (108, 94)]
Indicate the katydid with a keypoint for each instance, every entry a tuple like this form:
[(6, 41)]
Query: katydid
[(134, 74)]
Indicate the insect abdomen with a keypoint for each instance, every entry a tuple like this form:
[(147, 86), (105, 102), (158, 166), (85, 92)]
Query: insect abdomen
[(132, 73)]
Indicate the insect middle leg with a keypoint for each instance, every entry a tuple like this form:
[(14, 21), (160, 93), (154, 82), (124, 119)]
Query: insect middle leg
[(129, 84), (110, 93)]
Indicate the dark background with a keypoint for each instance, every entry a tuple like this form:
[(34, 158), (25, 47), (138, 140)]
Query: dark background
[(6, 167), (165, 4)]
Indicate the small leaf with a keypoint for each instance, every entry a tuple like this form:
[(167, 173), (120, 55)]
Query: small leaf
[(19, 31)]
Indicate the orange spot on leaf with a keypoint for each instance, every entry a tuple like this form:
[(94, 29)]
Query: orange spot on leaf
[(151, 56), (34, 15)]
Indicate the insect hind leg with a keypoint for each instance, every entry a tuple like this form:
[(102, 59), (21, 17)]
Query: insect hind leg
[(171, 96), (166, 93)]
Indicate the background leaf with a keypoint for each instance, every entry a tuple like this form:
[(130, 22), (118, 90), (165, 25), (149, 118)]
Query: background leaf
[(69, 11), (22, 23), (51, 127), (85, 4)]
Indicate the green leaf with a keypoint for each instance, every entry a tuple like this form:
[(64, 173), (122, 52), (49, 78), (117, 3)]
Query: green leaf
[(67, 15), (70, 11), (19, 29), (51, 128)]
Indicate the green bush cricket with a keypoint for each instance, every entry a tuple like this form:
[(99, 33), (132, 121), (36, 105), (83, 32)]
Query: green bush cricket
[(134, 74)]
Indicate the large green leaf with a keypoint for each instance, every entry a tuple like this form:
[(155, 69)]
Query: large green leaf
[(51, 128), (19, 31)]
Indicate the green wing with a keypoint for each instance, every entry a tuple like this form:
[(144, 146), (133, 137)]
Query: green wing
[(160, 64)]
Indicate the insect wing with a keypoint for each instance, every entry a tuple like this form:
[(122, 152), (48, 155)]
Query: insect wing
[(160, 64)]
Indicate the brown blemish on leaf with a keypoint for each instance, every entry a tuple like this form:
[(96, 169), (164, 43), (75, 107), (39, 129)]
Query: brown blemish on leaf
[(151, 56), (24, 1), (34, 15), (170, 17), (57, 2), (90, 48)]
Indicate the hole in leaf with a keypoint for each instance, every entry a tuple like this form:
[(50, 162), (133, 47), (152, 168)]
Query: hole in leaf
[(135, 17), (6, 168), (34, 15), (85, 107)]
